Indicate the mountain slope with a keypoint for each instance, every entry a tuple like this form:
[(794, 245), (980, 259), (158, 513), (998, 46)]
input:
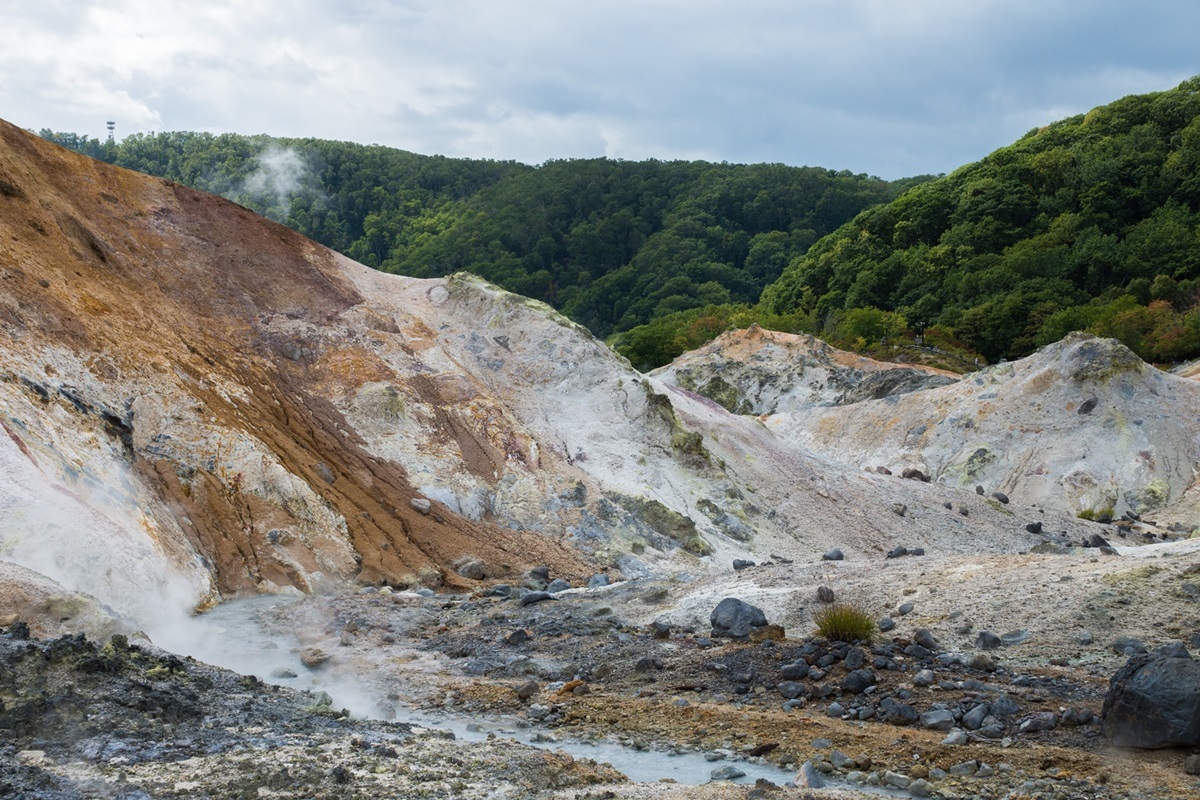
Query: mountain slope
[(1087, 223), (222, 399)]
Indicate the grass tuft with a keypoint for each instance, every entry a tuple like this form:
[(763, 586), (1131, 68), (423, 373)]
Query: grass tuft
[(845, 622)]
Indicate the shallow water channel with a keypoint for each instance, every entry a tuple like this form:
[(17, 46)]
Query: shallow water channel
[(232, 636)]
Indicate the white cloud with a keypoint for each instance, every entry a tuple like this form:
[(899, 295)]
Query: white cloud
[(868, 85)]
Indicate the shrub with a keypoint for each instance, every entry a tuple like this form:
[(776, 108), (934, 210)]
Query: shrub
[(844, 622)]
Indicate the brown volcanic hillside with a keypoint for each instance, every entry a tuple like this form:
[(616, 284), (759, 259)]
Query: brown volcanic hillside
[(133, 306)]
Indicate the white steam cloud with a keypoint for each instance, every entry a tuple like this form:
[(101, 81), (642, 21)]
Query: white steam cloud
[(281, 173)]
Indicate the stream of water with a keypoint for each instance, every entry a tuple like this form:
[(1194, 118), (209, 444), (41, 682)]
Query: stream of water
[(232, 636)]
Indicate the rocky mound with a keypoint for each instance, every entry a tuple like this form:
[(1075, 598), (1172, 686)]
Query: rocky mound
[(756, 371), (1082, 426)]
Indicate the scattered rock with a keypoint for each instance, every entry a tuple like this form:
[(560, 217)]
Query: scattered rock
[(597, 581), (899, 509), (905, 609), (923, 637), (471, 568), (825, 594), (833, 555), (529, 598), (886, 624), (421, 504), (939, 719), (517, 637), (1191, 766), (1034, 527), (726, 773), (1039, 721), (858, 680), (986, 640), (1001, 497), (914, 474), (808, 777), (924, 678), (527, 690), (558, 585), (313, 657), (740, 564)]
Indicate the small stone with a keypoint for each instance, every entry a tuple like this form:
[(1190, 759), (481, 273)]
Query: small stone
[(793, 671), (1039, 721), (939, 719), (923, 637), (857, 681), (726, 773), (421, 504), (986, 640), (808, 777), (313, 657), (835, 710), (924, 678), (1034, 527), (825, 594), (899, 509), (517, 637), (886, 624), (833, 555), (920, 788), (558, 585), (896, 779), (527, 690), (597, 581), (471, 569), (283, 672), (956, 736), (821, 743), (1192, 765), (740, 564), (982, 661), (529, 598), (984, 771), (897, 552), (1001, 496), (790, 689), (905, 609), (973, 719), (964, 769)]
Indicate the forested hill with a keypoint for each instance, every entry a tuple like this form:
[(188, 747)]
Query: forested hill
[(1089, 223), (613, 244)]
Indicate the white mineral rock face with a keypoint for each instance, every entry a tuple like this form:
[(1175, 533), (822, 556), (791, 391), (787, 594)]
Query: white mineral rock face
[(1081, 426)]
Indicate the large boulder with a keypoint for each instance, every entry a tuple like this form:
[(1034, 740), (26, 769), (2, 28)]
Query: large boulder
[(1154, 701), (734, 619)]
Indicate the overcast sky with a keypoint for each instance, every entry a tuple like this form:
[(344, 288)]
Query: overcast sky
[(887, 87)]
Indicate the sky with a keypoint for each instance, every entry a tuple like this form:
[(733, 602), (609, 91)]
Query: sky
[(887, 87)]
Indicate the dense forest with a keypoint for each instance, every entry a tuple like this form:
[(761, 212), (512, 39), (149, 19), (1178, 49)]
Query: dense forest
[(1090, 223), (612, 244)]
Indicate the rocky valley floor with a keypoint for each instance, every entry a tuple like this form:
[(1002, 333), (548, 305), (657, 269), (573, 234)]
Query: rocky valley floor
[(931, 706)]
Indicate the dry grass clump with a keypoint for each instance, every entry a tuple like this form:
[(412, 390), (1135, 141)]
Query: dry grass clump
[(845, 622)]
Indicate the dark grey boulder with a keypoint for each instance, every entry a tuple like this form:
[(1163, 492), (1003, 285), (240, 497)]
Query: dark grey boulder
[(833, 555), (740, 564), (733, 619), (1154, 702), (558, 585), (896, 713), (795, 671), (1034, 527), (597, 581), (857, 681), (825, 594), (886, 624), (1001, 496)]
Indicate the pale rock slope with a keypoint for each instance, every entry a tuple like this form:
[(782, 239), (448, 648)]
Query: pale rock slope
[(756, 371), (1080, 426), (198, 403)]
